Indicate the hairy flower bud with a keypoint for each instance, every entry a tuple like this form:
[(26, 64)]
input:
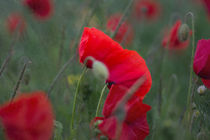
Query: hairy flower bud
[(183, 32), (100, 70)]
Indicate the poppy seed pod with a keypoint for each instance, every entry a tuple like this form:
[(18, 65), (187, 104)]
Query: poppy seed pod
[(183, 32), (100, 70)]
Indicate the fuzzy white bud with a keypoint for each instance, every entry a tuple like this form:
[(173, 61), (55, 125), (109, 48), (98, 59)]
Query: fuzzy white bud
[(201, 89), (100, 70)]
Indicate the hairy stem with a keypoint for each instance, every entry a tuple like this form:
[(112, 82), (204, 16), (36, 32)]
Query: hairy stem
[(100, 99), (75, 99), (188, 112)]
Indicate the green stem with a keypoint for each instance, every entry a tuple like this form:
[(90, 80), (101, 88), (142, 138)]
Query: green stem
[(188, 110), (75, 99), (100, 99)]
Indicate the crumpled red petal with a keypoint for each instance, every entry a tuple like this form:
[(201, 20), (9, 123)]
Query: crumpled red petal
[(133, 107), (136, 130)]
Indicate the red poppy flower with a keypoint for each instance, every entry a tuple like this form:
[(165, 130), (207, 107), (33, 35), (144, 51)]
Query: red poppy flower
[(206, 4), (125, 66), (201, 64), (15, 22), (134, 126), (147, 9), (171, 39), (125, 32), (42, 9), (28, 117), (206, 83)]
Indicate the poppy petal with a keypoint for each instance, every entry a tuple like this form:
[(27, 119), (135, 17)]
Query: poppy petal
[(28, 117), (206, 83), (201, 64)]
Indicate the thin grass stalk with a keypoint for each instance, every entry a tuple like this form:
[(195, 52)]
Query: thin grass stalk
[(19, 80), (9, 55), (100, 100)]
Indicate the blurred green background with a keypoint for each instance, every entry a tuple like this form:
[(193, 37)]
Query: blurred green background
[(49, 44)]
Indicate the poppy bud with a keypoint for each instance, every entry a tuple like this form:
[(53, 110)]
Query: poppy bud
[(100, 70), (201, 89), (183, 32)]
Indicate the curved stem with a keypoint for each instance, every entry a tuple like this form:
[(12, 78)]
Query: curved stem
[(188, 110), (100, 99), (75, 99)]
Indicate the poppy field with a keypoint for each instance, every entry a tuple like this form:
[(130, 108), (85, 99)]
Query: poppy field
[(104, 69)]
